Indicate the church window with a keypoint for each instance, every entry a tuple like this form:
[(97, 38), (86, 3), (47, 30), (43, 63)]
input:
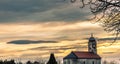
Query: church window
[(65, 62), (68, 61), (84, 62), (93, 62)]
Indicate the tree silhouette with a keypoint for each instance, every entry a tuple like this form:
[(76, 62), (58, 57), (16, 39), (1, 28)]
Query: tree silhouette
[(1, 62), (12, 62), (36, 62), (29, 62), (52, 59), (7, 62), (107, 12)]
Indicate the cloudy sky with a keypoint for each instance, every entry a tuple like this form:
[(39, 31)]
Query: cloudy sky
[(32, 28)]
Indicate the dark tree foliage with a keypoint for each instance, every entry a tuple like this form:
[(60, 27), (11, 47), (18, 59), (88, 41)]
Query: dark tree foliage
[(52, 59), (7, 62), (13, 62), (36, 62), (107, 13), (29, 62)]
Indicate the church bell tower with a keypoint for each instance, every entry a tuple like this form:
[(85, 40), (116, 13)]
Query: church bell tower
[(92, 45)]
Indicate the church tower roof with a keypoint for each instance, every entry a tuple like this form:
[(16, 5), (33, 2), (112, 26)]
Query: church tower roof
[(92, 37)]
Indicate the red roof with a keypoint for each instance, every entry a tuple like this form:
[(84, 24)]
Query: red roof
[(86, 54), (82, 55)]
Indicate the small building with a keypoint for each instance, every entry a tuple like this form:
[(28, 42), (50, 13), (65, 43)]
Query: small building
[(84, 57)]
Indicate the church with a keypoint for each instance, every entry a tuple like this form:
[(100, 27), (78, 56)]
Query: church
[(82, 57)]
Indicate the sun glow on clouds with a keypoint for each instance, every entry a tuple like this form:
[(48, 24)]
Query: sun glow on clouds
[(62, 22), (42, 29), (70, 36)]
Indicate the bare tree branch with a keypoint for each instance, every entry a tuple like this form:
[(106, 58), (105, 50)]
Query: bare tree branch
[(107, 12)]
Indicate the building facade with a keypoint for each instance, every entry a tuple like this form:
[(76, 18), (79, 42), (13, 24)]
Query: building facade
[(82, 57)]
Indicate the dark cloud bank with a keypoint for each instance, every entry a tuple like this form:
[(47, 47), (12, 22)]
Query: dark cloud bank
[(29, 42), (39, 10), (56, 48), (105, 39)]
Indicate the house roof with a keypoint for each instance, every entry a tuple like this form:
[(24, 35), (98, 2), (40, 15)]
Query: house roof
[(82, 55)]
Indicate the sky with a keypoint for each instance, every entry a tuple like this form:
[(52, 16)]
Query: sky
[(36, 28)]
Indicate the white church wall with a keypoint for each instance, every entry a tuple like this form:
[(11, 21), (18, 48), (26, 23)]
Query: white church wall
[(82, 61), (67, 61), (99, 61)]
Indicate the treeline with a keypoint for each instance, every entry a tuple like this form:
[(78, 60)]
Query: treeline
[(111, 62), (35, 62), (7, 62), (13, 62)]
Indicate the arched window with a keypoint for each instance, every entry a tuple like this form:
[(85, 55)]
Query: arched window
[(68, 61), (93, 62), (65, 62), (83, 62)]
